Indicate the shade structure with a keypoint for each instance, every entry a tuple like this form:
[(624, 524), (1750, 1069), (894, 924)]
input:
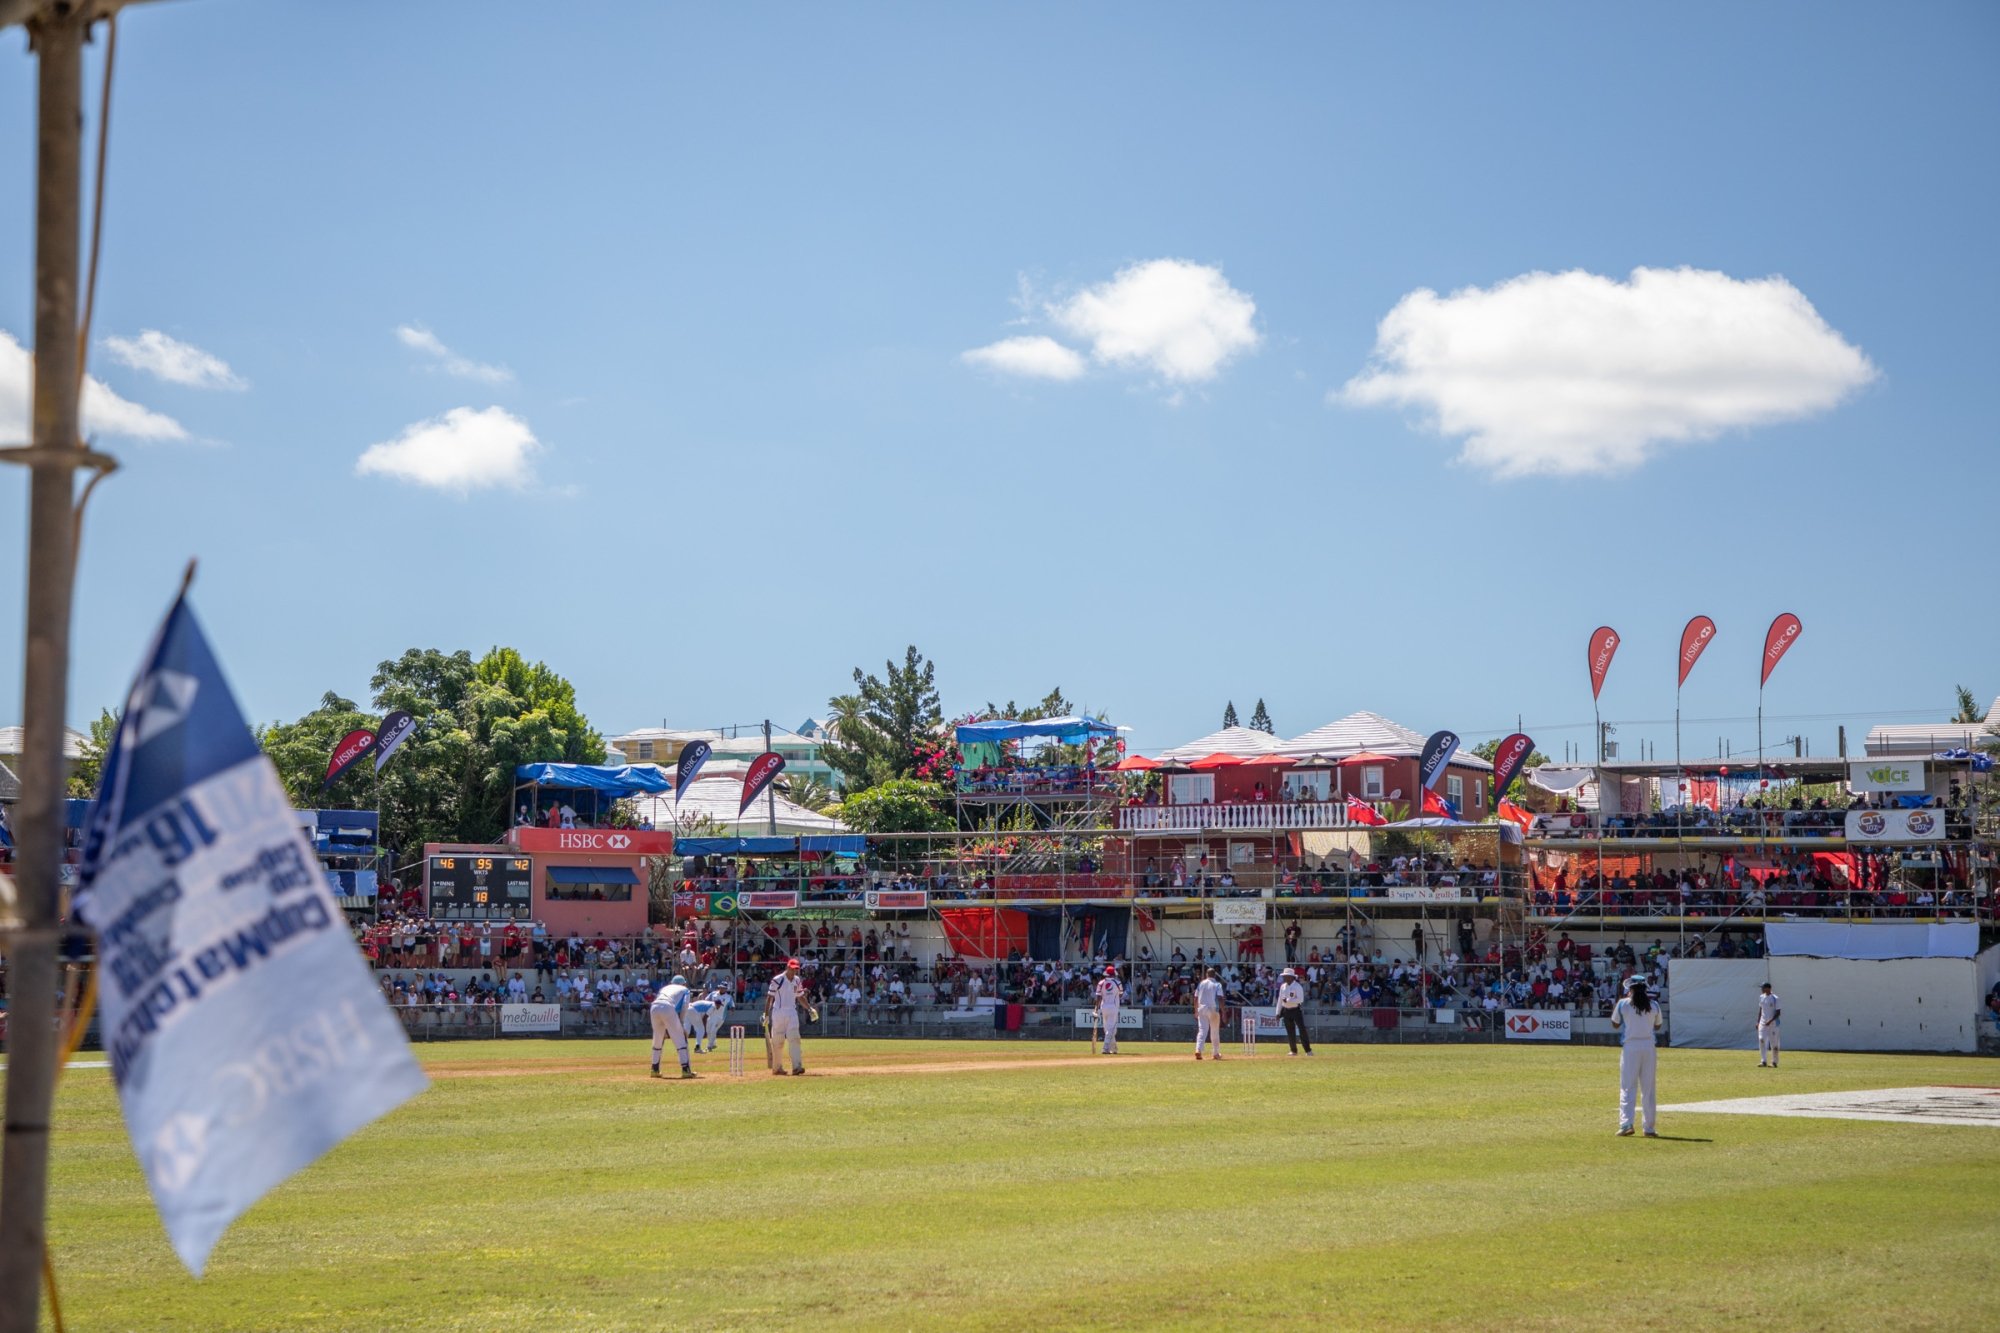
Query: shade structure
[(1325, 761), (1216, 761), (1063, 730), (1269, 761), (1134, 763), (1173, 766), (1368, 757)]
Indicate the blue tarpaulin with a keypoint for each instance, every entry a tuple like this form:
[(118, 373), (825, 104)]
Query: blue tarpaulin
[(847, 844), (620, 781), (1064, 730), (590, 875)]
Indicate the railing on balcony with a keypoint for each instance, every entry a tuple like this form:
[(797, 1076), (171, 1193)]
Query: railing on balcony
[(1258, 816)]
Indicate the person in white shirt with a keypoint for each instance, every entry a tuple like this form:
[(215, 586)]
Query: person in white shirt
[(669, 1014), (1208, 1016), (781, 1018), (1291, 1010), (708, 1013), (1767, 1027), (1109, 996), (1637, 1019)]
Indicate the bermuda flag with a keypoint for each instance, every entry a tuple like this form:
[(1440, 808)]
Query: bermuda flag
[(1360, 812), (1518, 815), (245, 1034), (1435, 804)]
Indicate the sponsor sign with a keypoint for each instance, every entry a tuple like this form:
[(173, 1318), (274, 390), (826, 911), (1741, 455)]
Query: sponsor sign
[(1895, 826), (1239, 911), (531, 1018), (897, 900), (346, 754), (693, 755), (1603, 647), (768, 900), (763, 768), (1695, 636), (1886, 775), (1267, 1019), (1418, 893), (1128, 1018), (1438, 751), (630, 842), (1778, 641), (1507, 761), (1538, 1024), (395, 729)]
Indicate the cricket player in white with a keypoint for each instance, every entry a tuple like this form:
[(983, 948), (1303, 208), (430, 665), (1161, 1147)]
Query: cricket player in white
[(1208, 1015), (669, 1012), (1637, 1019), (1767, 1028), (708, 1013), (1109, 994), (781, 1017)]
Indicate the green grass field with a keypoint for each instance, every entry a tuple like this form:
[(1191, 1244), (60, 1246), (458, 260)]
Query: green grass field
[(1016, 1185)]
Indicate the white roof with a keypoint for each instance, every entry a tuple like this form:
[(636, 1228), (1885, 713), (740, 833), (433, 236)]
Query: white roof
[(665, 734), (1245, 742), (1373, 732), (719, 800), (12, 739), (1918, 739)]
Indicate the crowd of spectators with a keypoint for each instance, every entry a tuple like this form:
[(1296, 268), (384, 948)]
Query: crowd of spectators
[(1793, 883)]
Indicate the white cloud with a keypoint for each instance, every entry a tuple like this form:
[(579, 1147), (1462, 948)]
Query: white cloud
[(1037, 356), (174, 361), (1181, 321), (104, 412), (463, 450), (421, 339), (1573, 373)]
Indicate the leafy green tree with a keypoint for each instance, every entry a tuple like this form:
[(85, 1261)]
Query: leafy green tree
[(1053, 704), (85, 770), (900, 805), (302, 749), (1260, 719), (808, 792), (1229, 714), (876, 728), (1487, 749), (1969, 710)]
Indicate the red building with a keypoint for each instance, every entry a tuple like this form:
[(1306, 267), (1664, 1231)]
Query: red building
[(582, 881)]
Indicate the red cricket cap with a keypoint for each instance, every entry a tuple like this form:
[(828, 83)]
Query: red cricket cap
[(791, 962), (1110, 971)]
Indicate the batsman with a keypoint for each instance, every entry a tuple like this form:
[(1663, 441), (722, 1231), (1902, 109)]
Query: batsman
[(781, 1018)]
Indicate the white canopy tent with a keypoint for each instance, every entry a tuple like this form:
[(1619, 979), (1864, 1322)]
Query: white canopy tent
[(718, 796)]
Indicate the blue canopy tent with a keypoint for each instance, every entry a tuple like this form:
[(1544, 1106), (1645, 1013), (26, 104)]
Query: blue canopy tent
[(603, 782), (1062, 730), (984, 766)]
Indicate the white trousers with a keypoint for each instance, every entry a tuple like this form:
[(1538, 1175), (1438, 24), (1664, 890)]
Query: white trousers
[(1109, 1018), (706, 1026), (667, 1023), (1208, 1028), (785, 1029), (1636, 1066), (1767, 1043)]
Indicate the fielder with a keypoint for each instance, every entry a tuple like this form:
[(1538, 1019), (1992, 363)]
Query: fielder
[(781, 1017), (1208, 1015), (708, 1011), (1292, 1011), (1767, 1027), (1637, 1019), (669, 1012), (1109, 995)]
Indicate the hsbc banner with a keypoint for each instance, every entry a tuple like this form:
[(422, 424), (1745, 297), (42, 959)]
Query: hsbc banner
[(768, 900), (531, 1018), (763, 768), (693, 755), (1128, 1018), (1895, 825), (1695, 636), (389, 737), (631, 842), (1778, 641), (1438, 751), (897, 900), (348, 753), (1603, 647), (1507, 761), (1239, 911), (1538, 1024)]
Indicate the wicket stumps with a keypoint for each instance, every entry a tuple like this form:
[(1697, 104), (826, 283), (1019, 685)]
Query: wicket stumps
[(1249, 1034), (736, 1051)]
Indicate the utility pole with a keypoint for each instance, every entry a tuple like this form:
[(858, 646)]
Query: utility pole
[(770, 792), (54, 454)]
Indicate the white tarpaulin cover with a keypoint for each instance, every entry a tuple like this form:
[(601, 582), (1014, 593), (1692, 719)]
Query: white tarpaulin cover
[(1897, 1004), (1820, 939), (1714, 1002)]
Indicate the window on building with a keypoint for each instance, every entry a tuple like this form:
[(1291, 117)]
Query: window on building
[(1371, 783), (645, 749), (1315, 785), (1191, 788), (1454, 791), (1479, 793)]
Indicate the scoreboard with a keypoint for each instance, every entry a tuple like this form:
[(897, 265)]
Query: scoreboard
[(481, 888)]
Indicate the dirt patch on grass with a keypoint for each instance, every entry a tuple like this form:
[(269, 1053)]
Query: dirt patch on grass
[(533, 1070)]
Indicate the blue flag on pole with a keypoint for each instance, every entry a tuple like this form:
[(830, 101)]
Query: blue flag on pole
[(245, 1035)]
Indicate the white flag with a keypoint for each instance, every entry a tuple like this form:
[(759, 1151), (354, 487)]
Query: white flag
[(245, 1033)]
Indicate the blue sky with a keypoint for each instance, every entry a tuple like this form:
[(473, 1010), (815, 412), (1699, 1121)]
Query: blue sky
[(731, 262)]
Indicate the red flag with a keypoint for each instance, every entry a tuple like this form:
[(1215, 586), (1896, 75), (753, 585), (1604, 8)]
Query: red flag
[(1360, 812), (1507, 761), (1694, 641), (1519, 815), (1778, 641), (1435, 804), (352, 746), (1603, 646), (762, 769)]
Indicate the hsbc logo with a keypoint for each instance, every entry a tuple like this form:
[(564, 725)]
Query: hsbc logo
[(1538, 1025), (617, 842), (1523, 1024)]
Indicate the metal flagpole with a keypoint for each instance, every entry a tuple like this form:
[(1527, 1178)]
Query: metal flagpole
[(53, 456), (771, 791)]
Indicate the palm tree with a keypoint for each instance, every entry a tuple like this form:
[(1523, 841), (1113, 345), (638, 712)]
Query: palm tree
[(811, 793), (1969, 710)]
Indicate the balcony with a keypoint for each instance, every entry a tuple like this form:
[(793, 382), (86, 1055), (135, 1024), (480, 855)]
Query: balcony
[(1246, 817)]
